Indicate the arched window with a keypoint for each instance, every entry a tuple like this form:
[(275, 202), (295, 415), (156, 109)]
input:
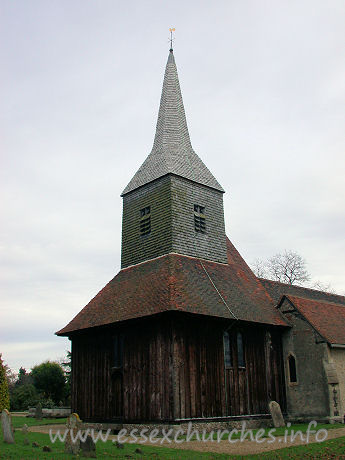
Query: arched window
[(240, 351), (292, 369), (227, 350)]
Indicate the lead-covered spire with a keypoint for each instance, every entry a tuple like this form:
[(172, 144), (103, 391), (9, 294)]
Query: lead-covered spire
[(172, 151)]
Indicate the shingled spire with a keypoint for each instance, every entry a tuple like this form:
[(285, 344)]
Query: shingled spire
[(172, 151)]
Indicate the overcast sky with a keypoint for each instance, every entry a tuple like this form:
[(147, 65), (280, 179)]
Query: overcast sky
[(264, 92)]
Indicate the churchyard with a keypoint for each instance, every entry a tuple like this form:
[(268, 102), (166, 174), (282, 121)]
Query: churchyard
[(30, 444)]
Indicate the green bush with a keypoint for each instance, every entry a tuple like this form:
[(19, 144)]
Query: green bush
[(49, 379), (24, 396), (4, 393)]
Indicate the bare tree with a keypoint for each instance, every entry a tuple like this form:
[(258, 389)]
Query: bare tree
[(259, 267), (287, 267), (320, 286), (290, 268)]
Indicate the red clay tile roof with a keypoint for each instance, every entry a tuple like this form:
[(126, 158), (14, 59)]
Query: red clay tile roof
[(327, 318), (179, 283)]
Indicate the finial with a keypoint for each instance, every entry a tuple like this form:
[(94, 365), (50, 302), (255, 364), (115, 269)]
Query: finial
[(171, 38)]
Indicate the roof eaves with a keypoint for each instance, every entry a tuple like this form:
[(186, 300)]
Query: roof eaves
[(130, 190)]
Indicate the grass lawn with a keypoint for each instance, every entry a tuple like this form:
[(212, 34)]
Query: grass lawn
[(281, 431), (330, 449), (18, 422)]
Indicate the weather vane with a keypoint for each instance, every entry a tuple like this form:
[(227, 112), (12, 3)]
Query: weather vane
[(171, 37)]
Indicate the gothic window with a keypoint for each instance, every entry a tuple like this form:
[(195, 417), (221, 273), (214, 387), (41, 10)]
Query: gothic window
[(199, 218), (240, 351), (227, 350), (292, 369), (118, 351), (145, 221)]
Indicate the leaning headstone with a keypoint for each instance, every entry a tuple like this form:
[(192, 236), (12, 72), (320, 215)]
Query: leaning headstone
[(276, 414), (6, 425), (73, 425), (38, 412), (88, 448)]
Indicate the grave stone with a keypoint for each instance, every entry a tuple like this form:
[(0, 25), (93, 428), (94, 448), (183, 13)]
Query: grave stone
[(38, 412), (25, 429), (276, 414), (73, 425), (6, 425), (88, 448)]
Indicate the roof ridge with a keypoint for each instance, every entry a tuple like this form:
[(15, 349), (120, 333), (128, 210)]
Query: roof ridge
[(314, 300), (301, 287)]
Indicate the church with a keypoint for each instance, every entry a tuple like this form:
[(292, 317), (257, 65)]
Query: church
[(186, 331)]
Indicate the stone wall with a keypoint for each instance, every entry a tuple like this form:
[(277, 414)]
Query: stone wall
[(57, 412), (309, 396)]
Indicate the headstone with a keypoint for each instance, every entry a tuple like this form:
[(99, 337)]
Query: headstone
[(46, 449), (276, 414), (119, 445), (73, 425), (88, 448), (25, 431), (38, 412), (6, 425), (35, 444), (139, 451)]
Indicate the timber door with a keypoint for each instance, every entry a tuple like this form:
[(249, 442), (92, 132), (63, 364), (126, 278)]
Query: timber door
[(245, 372), (235, 374)]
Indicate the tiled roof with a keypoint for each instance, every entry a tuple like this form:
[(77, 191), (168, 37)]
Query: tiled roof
[(327, 318), (172, 152), (276, 290), (179, 283)]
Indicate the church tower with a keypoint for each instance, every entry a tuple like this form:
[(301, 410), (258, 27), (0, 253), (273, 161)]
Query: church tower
[(173, 204), (185, 331)]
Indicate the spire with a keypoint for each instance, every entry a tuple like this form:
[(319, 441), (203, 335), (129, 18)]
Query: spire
[(172, 151)]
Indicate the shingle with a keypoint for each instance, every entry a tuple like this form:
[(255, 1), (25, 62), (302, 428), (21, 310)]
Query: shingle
[(172, 152)]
